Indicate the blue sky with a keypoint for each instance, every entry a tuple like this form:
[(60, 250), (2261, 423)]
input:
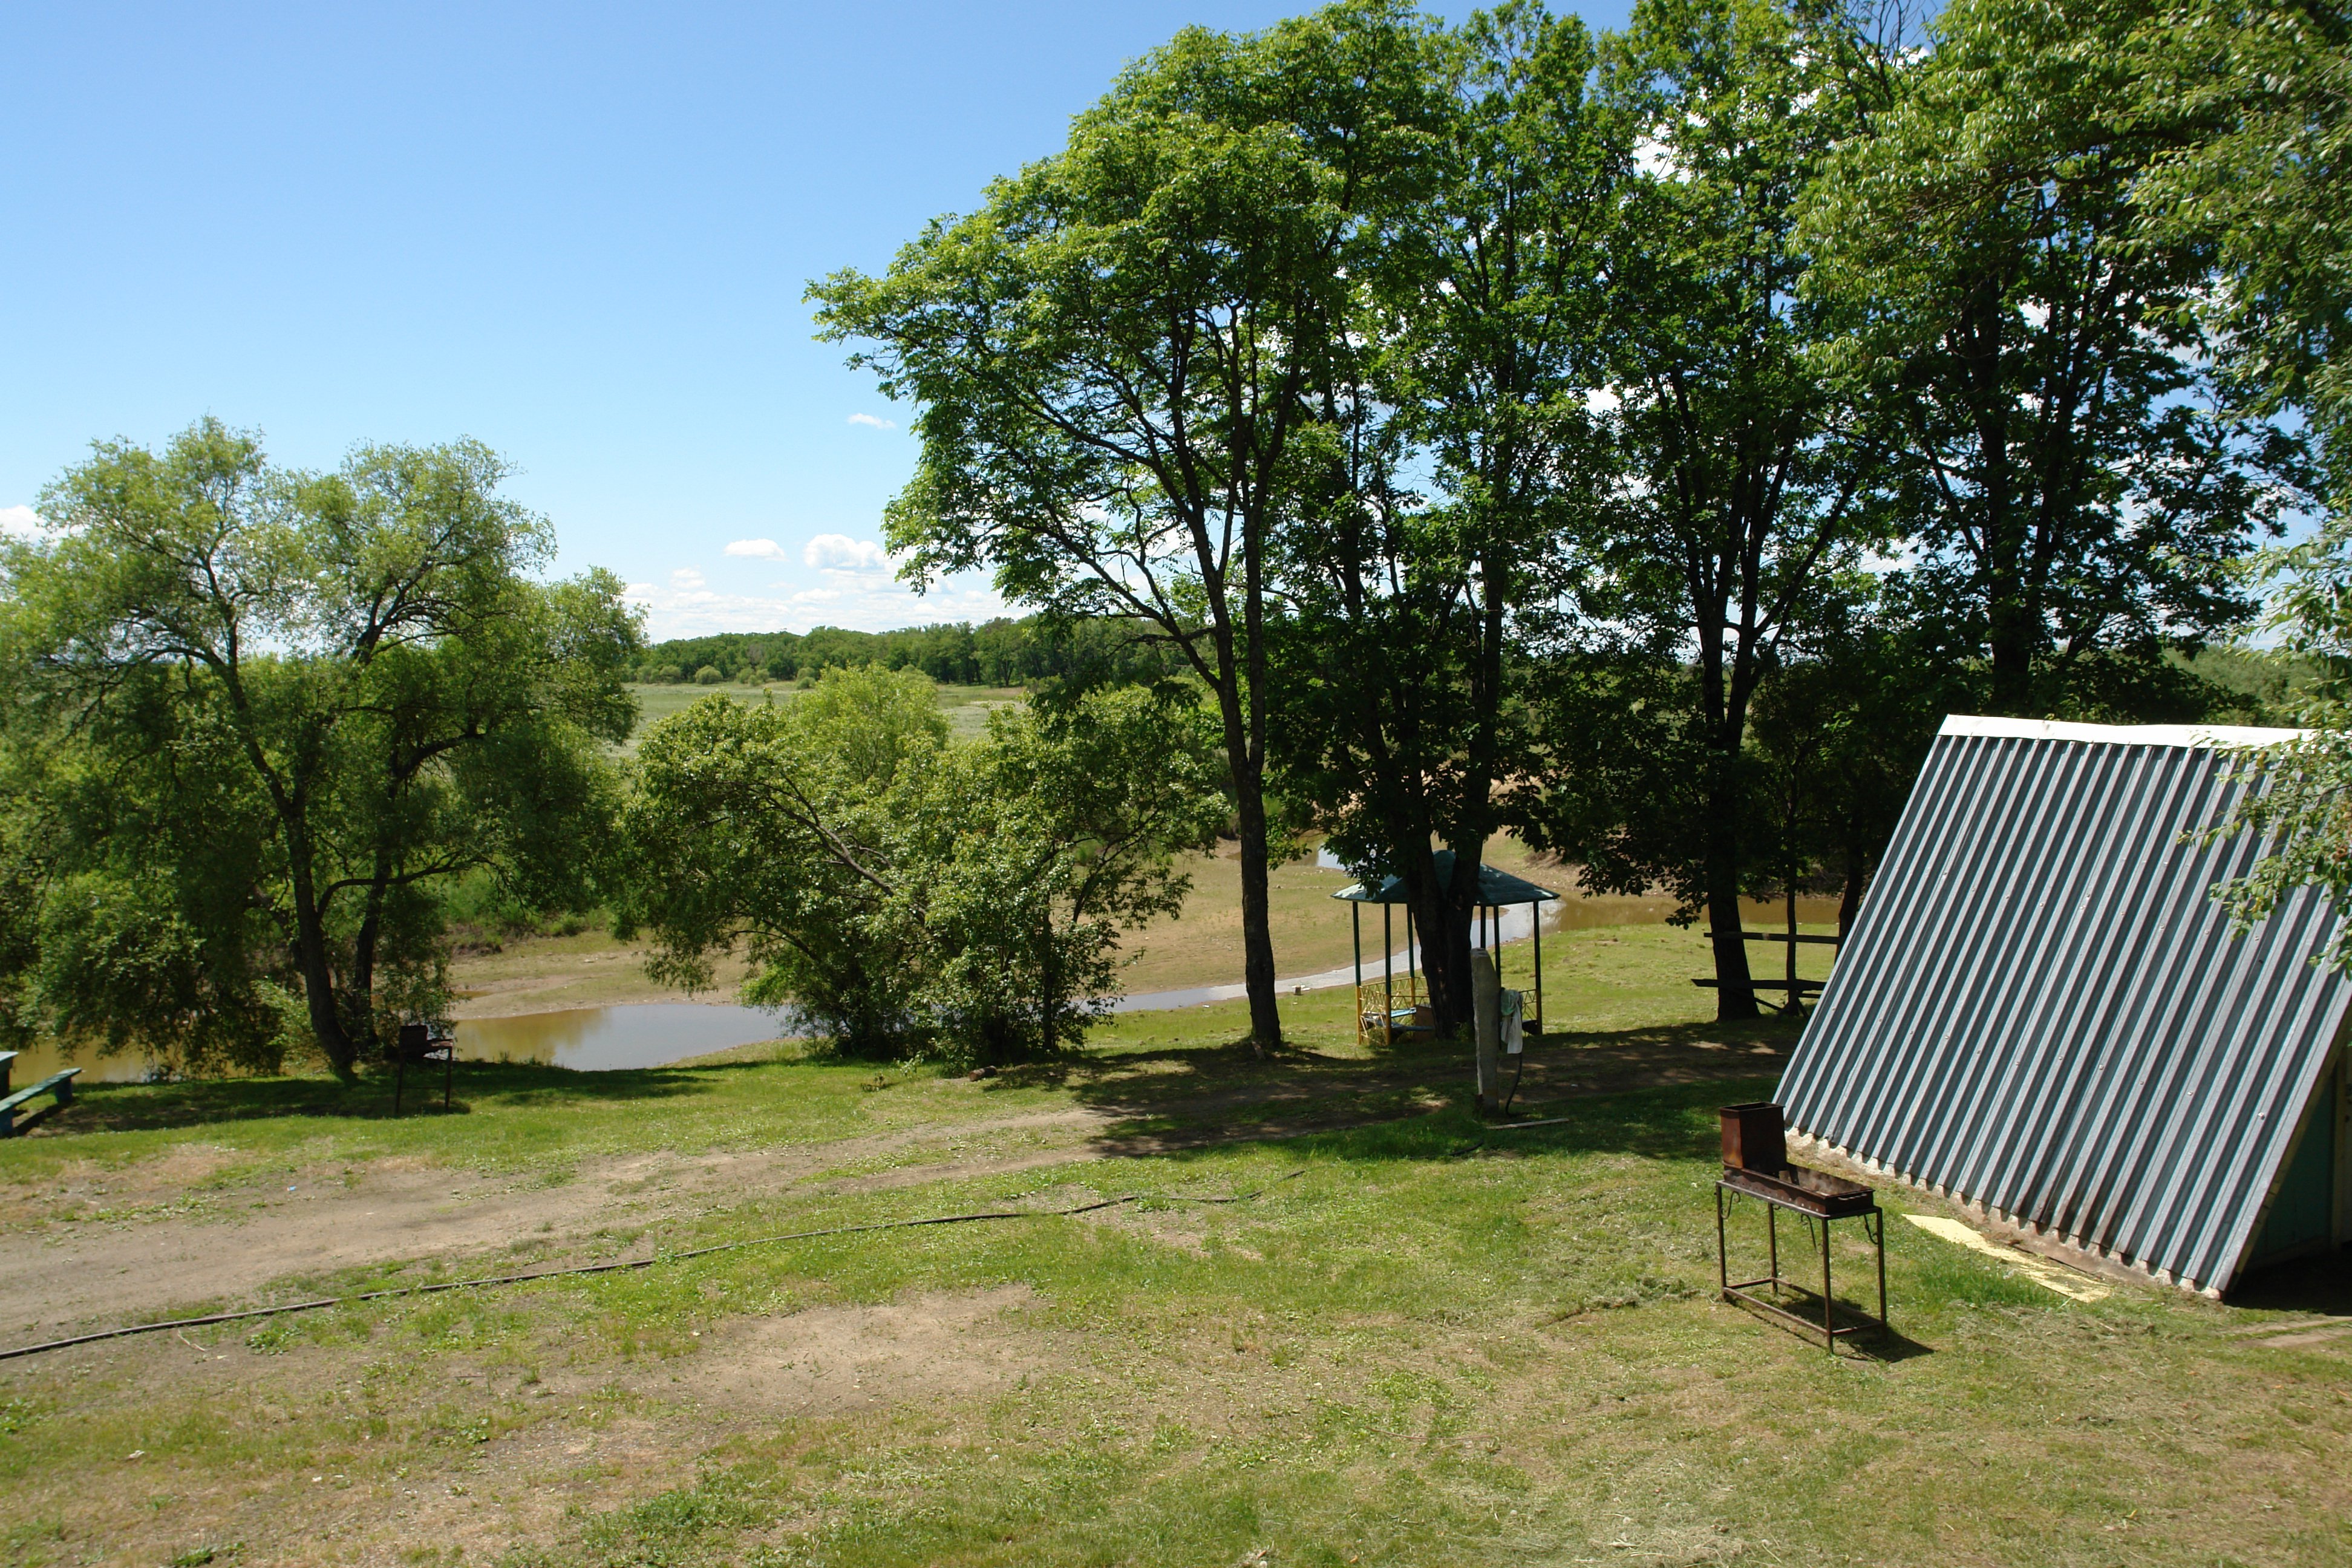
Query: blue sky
[(578, 233)]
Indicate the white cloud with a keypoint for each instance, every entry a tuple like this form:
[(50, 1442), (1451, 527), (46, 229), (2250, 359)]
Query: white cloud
[(757, 549), (871, 422), (839, 553), (686, 578), (21, 522), (862, 603)]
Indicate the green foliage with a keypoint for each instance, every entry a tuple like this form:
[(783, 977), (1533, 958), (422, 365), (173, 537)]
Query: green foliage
[(1002, 652), (1740, 519), (1115, 356), (2298, 801), (2250, 101), (1413, 621), (2080, 485), (258, 718), (903, 893)]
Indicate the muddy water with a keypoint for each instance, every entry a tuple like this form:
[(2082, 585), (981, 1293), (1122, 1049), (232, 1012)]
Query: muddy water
[(586, 1039), (602, 1039), (38, 1062)]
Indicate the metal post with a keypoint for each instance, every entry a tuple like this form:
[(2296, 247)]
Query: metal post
[(1412, 972), (1388, 978), (1772, 1242), (1543, 1019), (1356, 930), (1722, 1251), (1829, 1320), (1880, 1227), (1793, 950)]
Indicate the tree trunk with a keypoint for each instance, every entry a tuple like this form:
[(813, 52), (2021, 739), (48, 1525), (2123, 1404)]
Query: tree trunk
[(1443, 912), (1257, 920), (318, 971), (2010, 617), (1735, 988), (1246, 767), (1857, 873), (1050, 997), (363, 946)]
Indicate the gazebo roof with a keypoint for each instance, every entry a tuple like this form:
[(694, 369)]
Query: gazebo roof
[(1494, 887)]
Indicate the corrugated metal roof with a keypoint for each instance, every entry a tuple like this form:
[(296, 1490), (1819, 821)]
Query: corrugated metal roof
[(2042, 1008)]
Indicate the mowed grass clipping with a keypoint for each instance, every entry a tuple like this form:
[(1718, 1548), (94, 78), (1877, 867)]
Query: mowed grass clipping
[(1425, 1340)]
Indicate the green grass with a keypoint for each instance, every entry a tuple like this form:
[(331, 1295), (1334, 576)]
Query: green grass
[(1442, 1342)]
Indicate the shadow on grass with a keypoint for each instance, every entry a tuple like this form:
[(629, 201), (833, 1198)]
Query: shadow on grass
[(147, 1107), (2321, 1286), (1166, 1099)]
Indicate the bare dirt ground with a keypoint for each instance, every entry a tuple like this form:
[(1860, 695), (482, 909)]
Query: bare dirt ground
[(829, 1360), (153, 1254)]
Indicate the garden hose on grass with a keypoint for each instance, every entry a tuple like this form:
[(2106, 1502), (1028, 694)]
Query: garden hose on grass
[(629, 1264)]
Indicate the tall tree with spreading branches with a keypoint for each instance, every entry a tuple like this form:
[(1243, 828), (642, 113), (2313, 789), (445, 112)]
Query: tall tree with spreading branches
[(1112, 358), (361, 675)]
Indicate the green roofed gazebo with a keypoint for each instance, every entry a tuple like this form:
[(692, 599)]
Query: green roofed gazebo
[(1385, 1009)]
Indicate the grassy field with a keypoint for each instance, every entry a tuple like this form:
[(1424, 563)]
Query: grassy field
[(1203, 945), (1422, 1341), (967, 707)]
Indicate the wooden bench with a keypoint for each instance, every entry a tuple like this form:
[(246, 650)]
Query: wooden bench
[(13, 1119)]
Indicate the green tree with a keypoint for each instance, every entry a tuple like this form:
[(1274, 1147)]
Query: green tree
[(1746, 473), (279, 708), (1843, 723), (904, 893), (2248, 104), (2297, 802), (1409, 617), (2083, 488), (1092, 799), (1112, 357), (797, 832)]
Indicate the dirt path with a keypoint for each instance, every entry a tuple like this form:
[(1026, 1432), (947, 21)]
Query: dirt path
[(153, 1251), (246, 1246)]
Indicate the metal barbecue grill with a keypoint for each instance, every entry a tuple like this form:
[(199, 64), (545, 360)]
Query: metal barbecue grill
[(1756, 1166)]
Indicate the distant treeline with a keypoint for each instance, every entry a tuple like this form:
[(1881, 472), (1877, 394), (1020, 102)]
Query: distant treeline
[(1002, 652)]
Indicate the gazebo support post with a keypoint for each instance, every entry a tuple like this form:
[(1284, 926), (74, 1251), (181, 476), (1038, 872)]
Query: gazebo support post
[(1535, 913), (1388, 978)]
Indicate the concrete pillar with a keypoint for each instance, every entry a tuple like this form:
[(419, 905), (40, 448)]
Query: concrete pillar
[(1486, 1012)]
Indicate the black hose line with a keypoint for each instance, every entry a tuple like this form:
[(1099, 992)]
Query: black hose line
[(624, 1264)]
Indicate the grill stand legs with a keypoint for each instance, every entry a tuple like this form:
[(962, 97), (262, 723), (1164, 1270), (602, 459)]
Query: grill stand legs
[(1746, 1292)]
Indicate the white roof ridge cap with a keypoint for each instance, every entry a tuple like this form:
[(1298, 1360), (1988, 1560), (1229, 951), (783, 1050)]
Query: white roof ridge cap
[(2202, 735)]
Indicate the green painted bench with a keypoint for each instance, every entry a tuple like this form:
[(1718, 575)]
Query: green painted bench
[(13, 1117)]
